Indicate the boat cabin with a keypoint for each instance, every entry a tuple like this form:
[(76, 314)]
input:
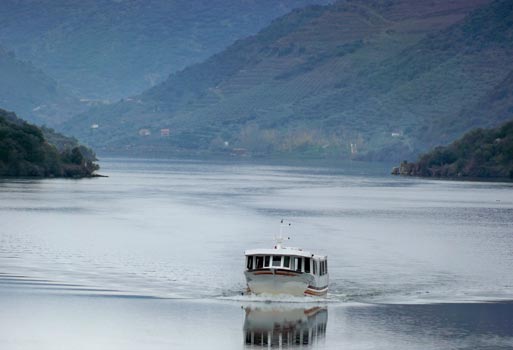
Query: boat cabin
[(286, 259)]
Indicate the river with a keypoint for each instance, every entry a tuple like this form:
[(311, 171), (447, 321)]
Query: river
[(152, 257)]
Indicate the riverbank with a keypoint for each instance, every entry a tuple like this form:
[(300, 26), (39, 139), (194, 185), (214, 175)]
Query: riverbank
[(481, 154), (26, 151)]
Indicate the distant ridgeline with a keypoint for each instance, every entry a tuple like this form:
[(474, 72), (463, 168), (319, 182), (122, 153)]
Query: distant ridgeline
[(26, 150), (359, 79), (481, 153)]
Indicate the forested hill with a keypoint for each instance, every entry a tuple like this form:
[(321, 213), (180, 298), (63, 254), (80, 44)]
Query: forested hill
[(108, 49), (360, 79), (25, 150), (33, 93), (481, 153)]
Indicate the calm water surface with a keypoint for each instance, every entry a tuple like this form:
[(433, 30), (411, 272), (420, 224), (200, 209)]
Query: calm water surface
[(152, 257)]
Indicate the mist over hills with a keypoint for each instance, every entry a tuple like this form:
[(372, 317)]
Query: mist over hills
[(361, 79), (32, 93), (106, 49)]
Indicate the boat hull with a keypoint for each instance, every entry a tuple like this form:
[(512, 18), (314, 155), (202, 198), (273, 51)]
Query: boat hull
[(276, 281)]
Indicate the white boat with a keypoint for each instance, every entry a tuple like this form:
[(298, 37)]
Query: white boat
[(286, 270)]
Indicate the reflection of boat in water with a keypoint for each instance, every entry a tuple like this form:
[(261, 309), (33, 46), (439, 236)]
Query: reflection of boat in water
[(284, 327), (286, 270)]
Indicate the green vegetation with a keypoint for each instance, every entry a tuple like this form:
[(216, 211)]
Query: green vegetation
[(24, 151), (481, 153), (380, 80)]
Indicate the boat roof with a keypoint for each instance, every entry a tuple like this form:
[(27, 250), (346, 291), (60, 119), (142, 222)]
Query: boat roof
[(284, 251)]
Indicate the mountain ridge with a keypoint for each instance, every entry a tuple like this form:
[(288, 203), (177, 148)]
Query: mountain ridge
[(369, 74), (103, 49), (32, 93)]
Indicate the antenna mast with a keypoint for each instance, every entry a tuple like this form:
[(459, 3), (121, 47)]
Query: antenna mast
[(279, 239)]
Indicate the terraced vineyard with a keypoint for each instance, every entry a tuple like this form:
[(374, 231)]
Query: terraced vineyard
[(372, 79)]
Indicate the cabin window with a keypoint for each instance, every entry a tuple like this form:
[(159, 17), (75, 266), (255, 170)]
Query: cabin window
[(314, 267), (286, 261), (276, 260), (298, 264), (324, 267), (249, 263), (292, 264), (267, 261), (321, 270), (259, 262), (307, 265)]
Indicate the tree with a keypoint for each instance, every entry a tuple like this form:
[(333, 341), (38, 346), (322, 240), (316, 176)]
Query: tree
[(76, 156)]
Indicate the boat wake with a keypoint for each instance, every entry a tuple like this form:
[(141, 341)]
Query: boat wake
[(278, 298)]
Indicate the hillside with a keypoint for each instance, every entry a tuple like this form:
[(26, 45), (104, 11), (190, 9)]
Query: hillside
[(481, 153), (108, 49), (32, 93), (380, 76), (495, 106), (433, 87), (25, 150)]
